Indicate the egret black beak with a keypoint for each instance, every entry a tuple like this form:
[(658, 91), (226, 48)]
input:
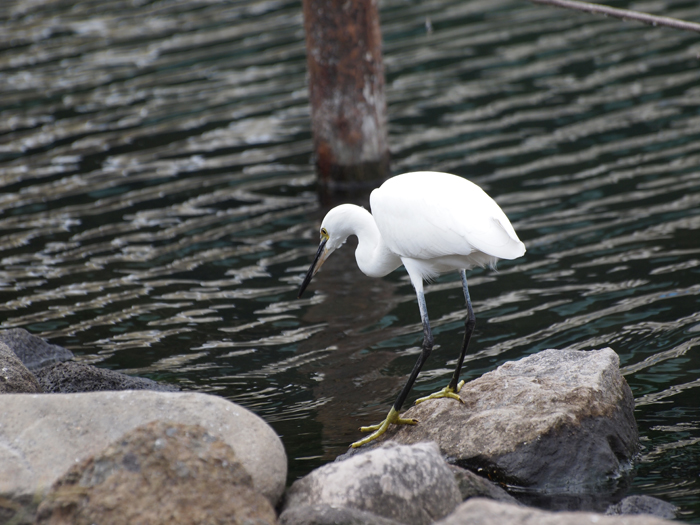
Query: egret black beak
[(320, 258)]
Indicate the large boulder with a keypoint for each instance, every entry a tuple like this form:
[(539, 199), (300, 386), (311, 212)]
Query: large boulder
[(559, 420), (407, 484), (14, 376), (158, 474), (42, 435), (72, 377), (479, 511), (33, 351)]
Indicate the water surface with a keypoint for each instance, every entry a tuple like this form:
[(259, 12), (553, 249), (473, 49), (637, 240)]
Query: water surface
[(158, 206)]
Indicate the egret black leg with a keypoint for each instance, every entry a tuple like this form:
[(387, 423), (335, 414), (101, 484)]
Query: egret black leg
[(469, 324), (453, 388), (424, 353), (393, 416)]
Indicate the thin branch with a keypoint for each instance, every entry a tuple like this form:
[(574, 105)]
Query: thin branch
[(624, 14)]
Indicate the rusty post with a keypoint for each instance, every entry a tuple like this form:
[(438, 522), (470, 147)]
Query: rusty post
[(346, 91)]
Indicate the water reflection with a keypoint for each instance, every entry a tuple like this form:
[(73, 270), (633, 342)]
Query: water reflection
[(159, 211)]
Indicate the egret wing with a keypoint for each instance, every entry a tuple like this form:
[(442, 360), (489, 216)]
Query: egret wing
[(426, 215)]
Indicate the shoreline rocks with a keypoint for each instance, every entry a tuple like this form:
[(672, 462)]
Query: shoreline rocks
[(560, 424), (557, 426), (48, 433), (556, 421)]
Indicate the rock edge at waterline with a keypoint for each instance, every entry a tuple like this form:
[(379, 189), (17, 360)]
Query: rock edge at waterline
[(479, 511)]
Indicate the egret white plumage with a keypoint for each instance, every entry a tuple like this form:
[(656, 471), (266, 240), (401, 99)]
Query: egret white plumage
[(431, 223)]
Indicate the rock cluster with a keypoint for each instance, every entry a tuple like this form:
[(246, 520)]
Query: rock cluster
[(57, 447), (47, 434), (559, 425), (115, 449), (556, 421)]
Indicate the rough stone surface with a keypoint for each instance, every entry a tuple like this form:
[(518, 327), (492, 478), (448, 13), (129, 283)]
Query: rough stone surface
[(560, 420), (42, 435), (479, 511), (644, 505), (408, 484), (14, 376), (473, 486), (159, 473), (327, 515), (33, 351), (72, 377)]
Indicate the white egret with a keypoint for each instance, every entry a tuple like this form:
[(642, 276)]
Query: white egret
[(431, 223)]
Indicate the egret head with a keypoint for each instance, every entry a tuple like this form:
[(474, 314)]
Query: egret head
[(334, 232)]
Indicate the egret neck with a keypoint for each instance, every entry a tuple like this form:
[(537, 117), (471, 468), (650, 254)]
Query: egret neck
[(373, 257)]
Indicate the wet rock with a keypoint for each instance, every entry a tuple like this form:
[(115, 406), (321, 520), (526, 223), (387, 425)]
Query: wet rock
[(556, 420), (328, 515), (479, 511), (33, 351), (159, 473), (42, 435), (57, 374), (473, 486), (72, 377), (14, 376), (408, 484), (644, 505)]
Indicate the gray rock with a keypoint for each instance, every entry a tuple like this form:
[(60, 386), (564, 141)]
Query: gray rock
[(14, 376), (559, 420), (644, 505), (159, 473), (42, 435), (473, 486), (479, 511), (408, 484), (72, 377), (33, 351), (327, 515)]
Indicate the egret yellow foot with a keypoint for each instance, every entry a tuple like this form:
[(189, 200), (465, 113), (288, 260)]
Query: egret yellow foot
[(445, 392), (377, 430)]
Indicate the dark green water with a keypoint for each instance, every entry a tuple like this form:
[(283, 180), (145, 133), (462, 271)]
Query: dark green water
[(158, 207)]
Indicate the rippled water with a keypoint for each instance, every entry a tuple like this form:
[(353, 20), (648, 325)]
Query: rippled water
[(159, 210)]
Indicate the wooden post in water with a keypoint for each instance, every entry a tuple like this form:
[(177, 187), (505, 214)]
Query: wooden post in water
[(346, 91)]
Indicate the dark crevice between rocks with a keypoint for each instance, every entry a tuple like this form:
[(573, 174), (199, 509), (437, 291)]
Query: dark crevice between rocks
[(562, 498), (484, 467)]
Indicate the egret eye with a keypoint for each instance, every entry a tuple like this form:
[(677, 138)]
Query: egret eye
[(324, 233)]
